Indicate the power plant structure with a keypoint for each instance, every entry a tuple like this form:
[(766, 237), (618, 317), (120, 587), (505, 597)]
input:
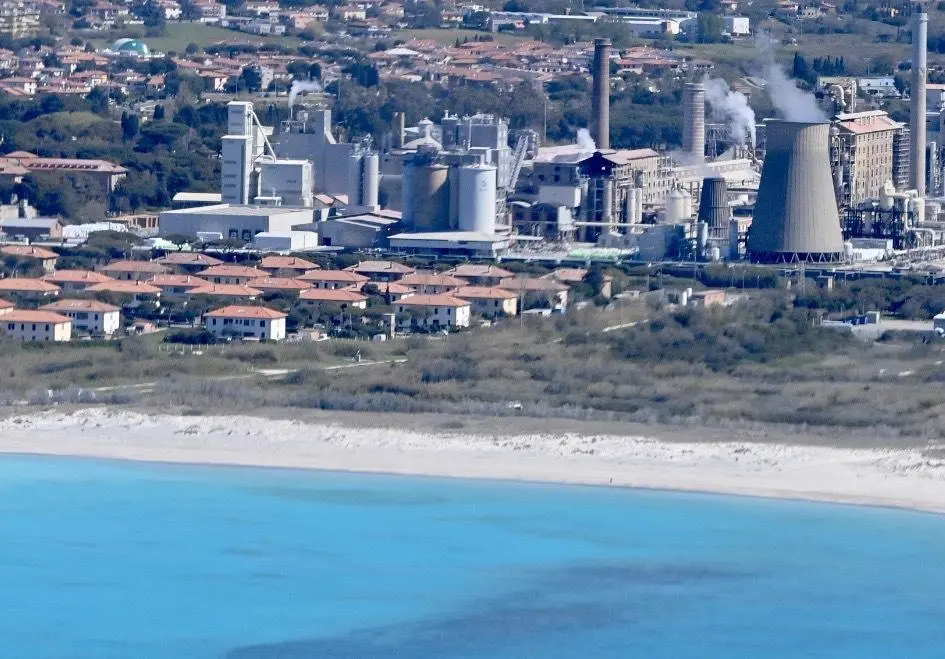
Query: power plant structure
[(600, 94), (795, 217), (694, 122), (920, 29)]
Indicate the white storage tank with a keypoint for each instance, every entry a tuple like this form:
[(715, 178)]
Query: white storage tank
[(370, 179), (477, 198), (675, 206), (425, 204)]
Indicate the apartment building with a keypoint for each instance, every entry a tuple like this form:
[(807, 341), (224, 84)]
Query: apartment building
[(88, 316), (27, 325), (237, 321)]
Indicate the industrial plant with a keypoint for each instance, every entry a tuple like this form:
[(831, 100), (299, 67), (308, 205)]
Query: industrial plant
[(824, 183)]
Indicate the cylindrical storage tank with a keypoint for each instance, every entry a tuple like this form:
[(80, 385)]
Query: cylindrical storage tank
[(886, 195), (633, 205), (715, 254), (638, 211), (675, 206), (702, 236), (354, 179), (918, 210), (848, 251), (477, 198), (607, 201), (694, 121), (370, 179), (426, 197)]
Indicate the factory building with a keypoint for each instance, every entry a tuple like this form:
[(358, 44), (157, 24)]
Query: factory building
[(308, 136), (865, 155), (232, 221)]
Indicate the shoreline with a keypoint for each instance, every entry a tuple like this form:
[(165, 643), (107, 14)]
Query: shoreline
[(888, 478)]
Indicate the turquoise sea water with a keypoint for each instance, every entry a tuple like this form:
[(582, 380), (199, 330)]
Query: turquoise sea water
[(101, 560)]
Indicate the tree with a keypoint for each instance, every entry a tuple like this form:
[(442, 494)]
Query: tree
[(129, 126), (711, 27), (251, 79), (158, 112), (191, 49)]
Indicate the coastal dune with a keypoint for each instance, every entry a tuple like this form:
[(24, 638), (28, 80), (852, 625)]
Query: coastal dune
[(907, 478)]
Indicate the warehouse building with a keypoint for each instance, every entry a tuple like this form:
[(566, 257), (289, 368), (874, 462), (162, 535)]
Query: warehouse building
[(232, 221)]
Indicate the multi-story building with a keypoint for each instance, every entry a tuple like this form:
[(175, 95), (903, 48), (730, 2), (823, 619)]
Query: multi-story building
[(866, 154), (18, 19), (246, 322), (89, 316), (433, 311), (28, 325)]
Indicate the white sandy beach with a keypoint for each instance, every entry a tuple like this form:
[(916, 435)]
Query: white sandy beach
[(901, 478)]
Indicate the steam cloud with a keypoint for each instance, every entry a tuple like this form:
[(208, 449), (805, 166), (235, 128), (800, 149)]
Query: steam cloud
[(793, 103), (585, 141), (730, 107), (302, 86)]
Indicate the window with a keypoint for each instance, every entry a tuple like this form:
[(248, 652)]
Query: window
[(262, 323), (47, 327), (34, 327), (11, 326)]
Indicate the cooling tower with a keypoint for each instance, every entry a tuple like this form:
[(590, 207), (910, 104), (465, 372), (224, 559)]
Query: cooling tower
[(795, 216), (694, 121), (713, 206), (600, 96), (920, 29)]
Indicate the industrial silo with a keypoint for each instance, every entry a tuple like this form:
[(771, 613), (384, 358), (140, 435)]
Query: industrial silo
[(477, 198), (370, 179), (426, 198), (795, 217), (713, 206), (675, 206)]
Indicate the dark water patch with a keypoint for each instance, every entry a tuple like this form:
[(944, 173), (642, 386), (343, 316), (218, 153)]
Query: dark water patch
[(560, 601)]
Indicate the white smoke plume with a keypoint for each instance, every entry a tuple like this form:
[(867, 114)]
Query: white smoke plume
[(793, 103), (302, 86), (731, 108), (585, 141)]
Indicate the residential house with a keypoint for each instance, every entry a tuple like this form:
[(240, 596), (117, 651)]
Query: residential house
[(381, 270), (177, 285), (30, 229), (134, 270), (26, 288), (433, 311), (538, 293), (489, 301), (480, 275), (246, 322), (241, 291), (334, 279), (286, 266), (431, 284), (576, 276), (392, 291), (188, 262), (46, 258), (707, 298), (334, 298), (134, 291), (232, 274), (29, 325), (71, 281), (102, 173), (90, 316), (284, 285)]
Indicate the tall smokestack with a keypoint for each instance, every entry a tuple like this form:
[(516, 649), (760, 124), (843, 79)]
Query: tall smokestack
[(399, 130), (694, 121), (920, 32), (600, 97)]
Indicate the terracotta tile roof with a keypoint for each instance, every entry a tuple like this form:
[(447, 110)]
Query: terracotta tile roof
[(287, 263), (474, 270), (237, 311), (484, 293), (135, 266), (25, 284), (526, 284), (332, 295), (571, 275), (130, 287), (442, 300), (76, 276), (30, 316), (4, 304), (28, 252), (333, 275), (80, 305), (279, 284), (232, 271), (392, 288), (226, 290), (176, 281), (188, 258), (380, 267), (421, 279)]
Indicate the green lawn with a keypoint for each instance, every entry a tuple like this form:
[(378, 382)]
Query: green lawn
[(179, 35)]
